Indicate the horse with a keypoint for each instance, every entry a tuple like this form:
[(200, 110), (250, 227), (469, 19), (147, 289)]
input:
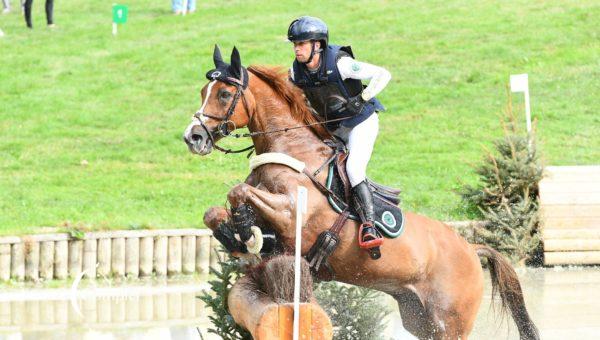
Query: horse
[(433, 273)]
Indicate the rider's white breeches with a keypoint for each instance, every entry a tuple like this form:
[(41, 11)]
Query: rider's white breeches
[(359, 141)]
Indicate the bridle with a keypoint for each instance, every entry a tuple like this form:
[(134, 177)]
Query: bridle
[(225, 122)]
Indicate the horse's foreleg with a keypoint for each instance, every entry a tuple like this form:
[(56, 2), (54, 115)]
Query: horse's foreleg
[(275, 209), (214, 216)]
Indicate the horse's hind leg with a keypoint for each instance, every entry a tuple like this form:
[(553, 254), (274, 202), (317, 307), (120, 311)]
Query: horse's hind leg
[(415, 318)]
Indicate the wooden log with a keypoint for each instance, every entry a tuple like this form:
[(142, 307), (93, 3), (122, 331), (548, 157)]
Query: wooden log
[(90, 255), (75, 258), (569, 210), (107, 234), (579, 173), (572, 257), (571, 223), (202, 254), (174, 257), (17, 262), (146, 256), (571, 245), (553, 187), (104, 257), (265, 319), (570, 234), (118, 257), (47, 260), (576, 198), (160, 255), (132, 258), (32, 261), (188, 254), (4, 262), (61, 259)]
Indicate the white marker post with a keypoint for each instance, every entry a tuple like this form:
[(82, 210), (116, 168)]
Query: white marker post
[(520, 83), (302, 202)]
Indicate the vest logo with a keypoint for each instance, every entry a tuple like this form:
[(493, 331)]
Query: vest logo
[(355, 67), (329, 71), (388, 219)]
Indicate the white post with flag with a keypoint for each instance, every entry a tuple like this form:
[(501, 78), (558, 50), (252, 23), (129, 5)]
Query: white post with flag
[(520, 83), (301, 209)]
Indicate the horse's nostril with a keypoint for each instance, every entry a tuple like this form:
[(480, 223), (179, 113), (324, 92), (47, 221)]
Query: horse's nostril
[(196, 137)]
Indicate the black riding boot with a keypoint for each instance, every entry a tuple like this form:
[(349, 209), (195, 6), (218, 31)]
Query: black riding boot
[(368, 237)]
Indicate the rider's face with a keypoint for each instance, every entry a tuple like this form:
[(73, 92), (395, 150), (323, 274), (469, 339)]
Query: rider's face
[(302, 50)]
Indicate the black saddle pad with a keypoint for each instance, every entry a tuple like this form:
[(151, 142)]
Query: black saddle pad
[(389, 218)]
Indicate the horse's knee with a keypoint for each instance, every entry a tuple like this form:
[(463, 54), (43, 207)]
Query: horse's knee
[(214, 216), (237, 195)]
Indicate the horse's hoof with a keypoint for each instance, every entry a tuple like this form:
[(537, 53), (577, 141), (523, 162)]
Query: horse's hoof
[(375, 253)]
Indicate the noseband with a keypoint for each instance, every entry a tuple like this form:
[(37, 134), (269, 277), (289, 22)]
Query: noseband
[(226, 122)]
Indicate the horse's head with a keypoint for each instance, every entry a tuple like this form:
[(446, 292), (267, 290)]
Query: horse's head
[(221, 111)]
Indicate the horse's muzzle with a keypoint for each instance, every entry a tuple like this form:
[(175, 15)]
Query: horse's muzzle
[(198, 141)]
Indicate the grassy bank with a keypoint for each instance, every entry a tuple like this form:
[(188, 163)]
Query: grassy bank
[(91, 124)]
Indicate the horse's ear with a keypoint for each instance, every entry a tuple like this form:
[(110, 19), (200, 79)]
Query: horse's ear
[(217, 57), (236, 63)]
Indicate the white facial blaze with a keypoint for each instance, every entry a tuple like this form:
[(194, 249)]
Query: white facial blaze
[(197, 118), (210, 85)]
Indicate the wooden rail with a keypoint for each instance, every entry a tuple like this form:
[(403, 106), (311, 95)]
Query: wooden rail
[(570, 208), (120, 253)]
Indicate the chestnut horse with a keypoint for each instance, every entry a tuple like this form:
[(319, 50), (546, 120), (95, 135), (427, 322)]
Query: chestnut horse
[(433, 273)]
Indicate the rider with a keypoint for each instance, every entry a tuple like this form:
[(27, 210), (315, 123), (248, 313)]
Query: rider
[(332, 82)]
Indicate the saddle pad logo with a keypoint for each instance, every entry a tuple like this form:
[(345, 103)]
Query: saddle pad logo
[(388, 219)]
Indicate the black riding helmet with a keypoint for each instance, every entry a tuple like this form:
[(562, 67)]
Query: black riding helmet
[(309, 28)]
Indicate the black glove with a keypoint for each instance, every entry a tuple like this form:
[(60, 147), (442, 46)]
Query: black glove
[(355, 104)]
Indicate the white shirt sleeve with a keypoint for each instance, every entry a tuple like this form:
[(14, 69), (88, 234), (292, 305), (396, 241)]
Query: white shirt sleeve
[(378, 76)]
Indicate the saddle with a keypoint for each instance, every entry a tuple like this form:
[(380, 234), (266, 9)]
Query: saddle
[(389, 218)]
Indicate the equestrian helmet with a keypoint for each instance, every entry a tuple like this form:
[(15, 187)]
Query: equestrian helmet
[(308, 28)]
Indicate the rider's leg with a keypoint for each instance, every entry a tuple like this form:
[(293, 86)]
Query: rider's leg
[(360, 147)]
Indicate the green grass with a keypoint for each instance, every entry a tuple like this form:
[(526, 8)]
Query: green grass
[(121, 103)]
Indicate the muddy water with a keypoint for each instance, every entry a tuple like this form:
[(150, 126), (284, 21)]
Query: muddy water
[(563, 303)]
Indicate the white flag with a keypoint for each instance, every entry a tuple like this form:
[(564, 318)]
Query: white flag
[(519, 83)]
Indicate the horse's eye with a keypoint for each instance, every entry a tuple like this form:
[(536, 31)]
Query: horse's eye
[(225, 95)]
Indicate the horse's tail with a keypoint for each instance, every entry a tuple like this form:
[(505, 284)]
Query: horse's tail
[(506, 282)]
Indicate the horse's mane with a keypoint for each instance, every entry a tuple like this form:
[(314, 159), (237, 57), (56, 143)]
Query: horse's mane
[(277, 78)]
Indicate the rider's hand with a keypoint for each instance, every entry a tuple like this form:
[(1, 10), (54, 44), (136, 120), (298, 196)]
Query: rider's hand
[(355, 104)]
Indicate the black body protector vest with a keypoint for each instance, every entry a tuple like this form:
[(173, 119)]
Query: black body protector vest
[(328, 93)]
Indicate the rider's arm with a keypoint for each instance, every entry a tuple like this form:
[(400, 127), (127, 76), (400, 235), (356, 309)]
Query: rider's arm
[(378, 76)]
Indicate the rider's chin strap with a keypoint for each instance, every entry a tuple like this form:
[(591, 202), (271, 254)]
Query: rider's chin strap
[(312, 52)]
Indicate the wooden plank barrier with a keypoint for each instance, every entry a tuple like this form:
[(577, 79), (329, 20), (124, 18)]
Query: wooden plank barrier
[(118, 253), (570, 211), (267, 320)]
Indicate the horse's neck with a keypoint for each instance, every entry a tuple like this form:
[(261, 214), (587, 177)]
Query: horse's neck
[(272, 113)]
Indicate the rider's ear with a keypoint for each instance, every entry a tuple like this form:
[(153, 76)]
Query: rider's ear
[(217, 58), (236, 64)]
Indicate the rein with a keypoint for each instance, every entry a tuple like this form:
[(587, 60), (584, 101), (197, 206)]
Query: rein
[(223, 127)]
